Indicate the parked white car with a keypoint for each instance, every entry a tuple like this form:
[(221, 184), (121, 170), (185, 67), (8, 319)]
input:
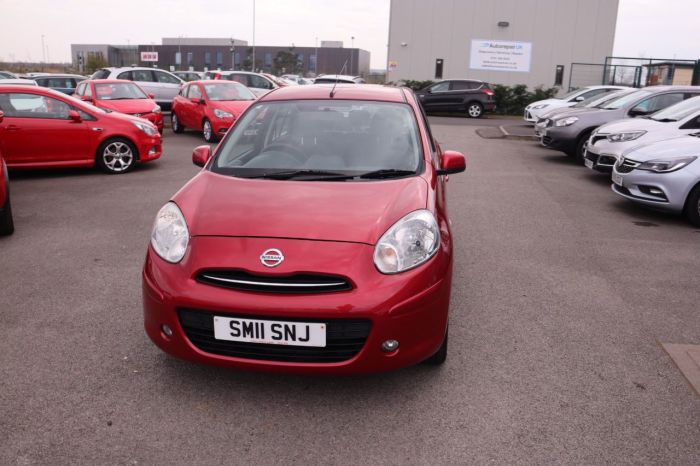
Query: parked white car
[(258, 83), (613, 140), (338, 78), (163, 85), (535, 110)]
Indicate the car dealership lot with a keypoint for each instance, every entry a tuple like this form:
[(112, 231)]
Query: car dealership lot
[(562, 292)]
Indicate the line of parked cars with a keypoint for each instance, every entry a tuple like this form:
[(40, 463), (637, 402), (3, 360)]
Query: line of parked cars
[(648, 140)]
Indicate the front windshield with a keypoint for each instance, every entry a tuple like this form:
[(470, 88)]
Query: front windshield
[(226, 91), (608, 98), (322, 139), (678, 111), (625, 100), (119, 91), (569, 94)]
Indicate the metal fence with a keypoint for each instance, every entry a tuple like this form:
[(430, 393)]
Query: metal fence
[(635, 72)]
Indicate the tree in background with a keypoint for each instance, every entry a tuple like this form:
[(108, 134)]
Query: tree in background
[(95, 62), (286, 62)]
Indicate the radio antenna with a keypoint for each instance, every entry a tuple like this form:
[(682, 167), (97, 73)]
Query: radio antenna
[(336, 78)]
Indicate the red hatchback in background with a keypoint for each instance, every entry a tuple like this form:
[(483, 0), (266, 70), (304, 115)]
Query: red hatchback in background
[(210, 106), (7, 226), (120, 95), (315, 240), (43, 128)]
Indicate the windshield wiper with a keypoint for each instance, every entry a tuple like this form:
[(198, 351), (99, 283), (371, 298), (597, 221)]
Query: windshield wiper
[(386, 173), (307, 175)]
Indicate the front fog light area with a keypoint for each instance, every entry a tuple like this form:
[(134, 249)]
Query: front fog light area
[(408, 243), (390, 345)]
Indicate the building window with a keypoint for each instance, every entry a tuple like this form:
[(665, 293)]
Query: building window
[(178, 58), (312, 63), (237, 59), (300, 60), (268, 60), (219, 59), (207, 59), (190, 58), (559, 75)]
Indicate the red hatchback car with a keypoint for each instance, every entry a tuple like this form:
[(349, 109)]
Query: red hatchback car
[(210, 106), (315, 240), (43, 128), (120, 95), (7, 227)]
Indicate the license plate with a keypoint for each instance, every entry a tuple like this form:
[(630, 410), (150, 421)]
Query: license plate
[(589, 163), (271, 332), (617, 179)]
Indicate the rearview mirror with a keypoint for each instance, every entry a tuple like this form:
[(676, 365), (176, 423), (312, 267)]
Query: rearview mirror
[(2, 116), (201, 155), (452, 162), (638, 111), (74, 116)]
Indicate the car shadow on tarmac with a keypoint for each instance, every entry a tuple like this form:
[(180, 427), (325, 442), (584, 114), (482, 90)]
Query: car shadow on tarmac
[(34, 173)]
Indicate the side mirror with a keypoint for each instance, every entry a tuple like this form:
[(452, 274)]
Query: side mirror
[(452, 162), (74, 116), (151, 96), (86, 98), (201, 155), (579, 99), (197, 100), (638, 111), (2, 116)]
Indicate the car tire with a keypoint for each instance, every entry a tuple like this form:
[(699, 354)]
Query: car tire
[(692, 206), (441, 355), (116, 156), (7, 225), (475, 110), (208, 131), (175, 123), (581, 146)]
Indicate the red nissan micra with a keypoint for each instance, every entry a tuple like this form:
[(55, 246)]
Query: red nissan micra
[(120, 95), (43, 128), (315, 240), (210, 106)]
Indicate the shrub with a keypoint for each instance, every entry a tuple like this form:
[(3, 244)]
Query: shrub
[(512, 100), (416, 85)]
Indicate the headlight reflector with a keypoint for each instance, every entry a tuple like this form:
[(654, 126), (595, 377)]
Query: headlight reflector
[(626, 136), (408, 243), (170, 235), (565, 121), (146, 127), (222, 114), (666, 165), (537, 107)]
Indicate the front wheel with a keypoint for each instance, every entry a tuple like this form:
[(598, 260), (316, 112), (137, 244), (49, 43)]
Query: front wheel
[(207, 131), (7, 226), (116, 156), (475, 110), (692, 207), (175, 121), (581, 147)]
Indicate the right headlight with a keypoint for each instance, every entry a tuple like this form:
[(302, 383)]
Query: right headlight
[(626, 136), (170, 234), (565, 121), (666, 165), (408, 243)]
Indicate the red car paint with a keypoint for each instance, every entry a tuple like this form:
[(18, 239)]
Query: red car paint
[(192, 112), (31, 140), (96, 93), (322, 227)]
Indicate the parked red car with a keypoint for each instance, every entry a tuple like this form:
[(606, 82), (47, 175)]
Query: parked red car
[(209, 106), (7, 226), (315, 240), (120, 95), (43, 128)]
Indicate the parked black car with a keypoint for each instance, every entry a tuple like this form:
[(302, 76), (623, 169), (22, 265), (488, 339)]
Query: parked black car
[(467, 96)]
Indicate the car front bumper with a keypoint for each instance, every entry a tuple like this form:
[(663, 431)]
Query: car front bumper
[(410, 307), (663, 191), (560, 138), (598, 160), (150, 148)]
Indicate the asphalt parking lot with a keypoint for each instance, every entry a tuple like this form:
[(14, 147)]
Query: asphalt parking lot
[(562, 293)]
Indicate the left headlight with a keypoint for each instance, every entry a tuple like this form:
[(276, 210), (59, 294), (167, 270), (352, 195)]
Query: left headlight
[(147, 128), (566, 121), (667, 165), (170, 235), (408, 243), (626, 136), (537, 107), (222, 114), (156, 109)]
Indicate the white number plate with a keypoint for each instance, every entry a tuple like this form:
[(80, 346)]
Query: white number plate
[(272, 332), (617, 179), (589, 163)]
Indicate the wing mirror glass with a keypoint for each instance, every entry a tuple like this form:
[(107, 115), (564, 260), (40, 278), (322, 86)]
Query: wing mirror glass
[(201, 155), (452, 162), (639, 111), (74, 116)]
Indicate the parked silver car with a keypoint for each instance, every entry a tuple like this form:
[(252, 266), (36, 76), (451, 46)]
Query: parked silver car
[(256, 82), (338, 78), (663, 175), (163, 85)]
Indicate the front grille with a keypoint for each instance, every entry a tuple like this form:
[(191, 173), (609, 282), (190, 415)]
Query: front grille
[(297, 283), (547, 140), (626, 165), (607, 160), (344, 339), (592, 157)]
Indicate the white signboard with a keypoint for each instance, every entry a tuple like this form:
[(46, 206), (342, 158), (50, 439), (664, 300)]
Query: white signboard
[(500, 55), (149, 56)]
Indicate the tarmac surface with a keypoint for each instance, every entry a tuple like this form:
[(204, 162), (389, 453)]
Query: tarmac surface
[(562, 295)]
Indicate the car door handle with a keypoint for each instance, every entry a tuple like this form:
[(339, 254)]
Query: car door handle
[(12, 128)]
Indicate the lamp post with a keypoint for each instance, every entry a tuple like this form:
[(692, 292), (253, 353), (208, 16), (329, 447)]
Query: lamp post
[(253, 35), (233, 56), (352, 46), (316, 59)]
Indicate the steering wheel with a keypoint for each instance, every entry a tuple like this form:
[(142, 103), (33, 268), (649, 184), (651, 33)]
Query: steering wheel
[(288, 149)]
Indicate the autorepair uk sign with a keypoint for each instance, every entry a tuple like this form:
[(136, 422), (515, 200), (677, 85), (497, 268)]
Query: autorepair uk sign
[(500, 55), (149, 56)]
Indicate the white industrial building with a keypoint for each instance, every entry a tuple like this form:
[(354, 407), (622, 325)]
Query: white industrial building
[(532, 42)]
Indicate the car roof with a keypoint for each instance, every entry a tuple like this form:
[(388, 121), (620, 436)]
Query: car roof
[(18, 82), (338, 76), (59, 75), (342, 92), (224, 82), (110, 81), (671, 88)]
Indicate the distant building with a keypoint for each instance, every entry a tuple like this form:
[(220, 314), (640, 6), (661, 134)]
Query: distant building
[(183, 53), (332, 44), (532, 42)]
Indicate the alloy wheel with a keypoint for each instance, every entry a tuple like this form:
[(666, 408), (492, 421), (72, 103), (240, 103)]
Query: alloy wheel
[(206, 129), (474, 111), (117, 156)]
